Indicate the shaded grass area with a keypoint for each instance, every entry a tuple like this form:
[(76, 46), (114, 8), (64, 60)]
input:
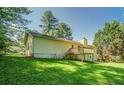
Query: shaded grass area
[(28, 71)]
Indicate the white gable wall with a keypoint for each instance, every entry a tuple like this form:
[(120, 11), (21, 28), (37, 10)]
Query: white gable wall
[(45, 48)]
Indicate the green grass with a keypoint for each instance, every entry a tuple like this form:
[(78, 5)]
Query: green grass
[(20, 70)]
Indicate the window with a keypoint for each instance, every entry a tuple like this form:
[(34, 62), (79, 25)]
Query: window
[(79, 47), (90, 56), (72, 46)]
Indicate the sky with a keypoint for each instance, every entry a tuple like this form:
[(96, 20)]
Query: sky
[(84, 21)]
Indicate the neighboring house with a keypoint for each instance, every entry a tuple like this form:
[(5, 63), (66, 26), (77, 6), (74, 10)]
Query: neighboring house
[(43, 46)]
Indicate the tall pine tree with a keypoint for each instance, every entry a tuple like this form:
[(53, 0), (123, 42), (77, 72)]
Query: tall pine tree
[(51, 26), (64, 31), (49, 23), (12, 22)]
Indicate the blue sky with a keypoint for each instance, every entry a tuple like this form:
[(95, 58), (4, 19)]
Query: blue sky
[(84, 22)]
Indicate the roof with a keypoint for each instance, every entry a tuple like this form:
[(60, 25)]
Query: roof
[(36, 34)]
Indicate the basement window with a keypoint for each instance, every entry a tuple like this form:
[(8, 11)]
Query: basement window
[(90, 56), (72, 46)]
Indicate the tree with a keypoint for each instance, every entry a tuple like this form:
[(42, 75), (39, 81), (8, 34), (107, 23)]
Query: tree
[(12, 23), (98, 44), (51, 27), (49, 23), (3, 41), (64, 31), (109, 41)]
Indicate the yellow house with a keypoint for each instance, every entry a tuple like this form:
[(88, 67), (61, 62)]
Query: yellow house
[(43, 46)]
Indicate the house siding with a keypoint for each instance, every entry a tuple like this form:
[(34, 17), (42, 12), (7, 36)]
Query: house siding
[(29, 46), (46, 48), (88, 57), (42, 47)]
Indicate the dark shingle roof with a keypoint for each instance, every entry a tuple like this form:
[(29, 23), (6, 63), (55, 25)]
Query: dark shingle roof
[(37, 34)]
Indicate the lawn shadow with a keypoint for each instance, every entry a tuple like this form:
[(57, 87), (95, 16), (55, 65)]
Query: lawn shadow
[(24, 71)]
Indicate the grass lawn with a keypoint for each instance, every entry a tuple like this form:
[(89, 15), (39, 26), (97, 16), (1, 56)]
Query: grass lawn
[(20, 70)]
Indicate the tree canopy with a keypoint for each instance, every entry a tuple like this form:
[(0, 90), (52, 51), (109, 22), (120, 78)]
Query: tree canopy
[(12, 23), (49, 23), (64, 31), (52, 27), (109, 41)]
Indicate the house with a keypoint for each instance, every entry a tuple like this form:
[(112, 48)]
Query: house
[(43, 46)]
